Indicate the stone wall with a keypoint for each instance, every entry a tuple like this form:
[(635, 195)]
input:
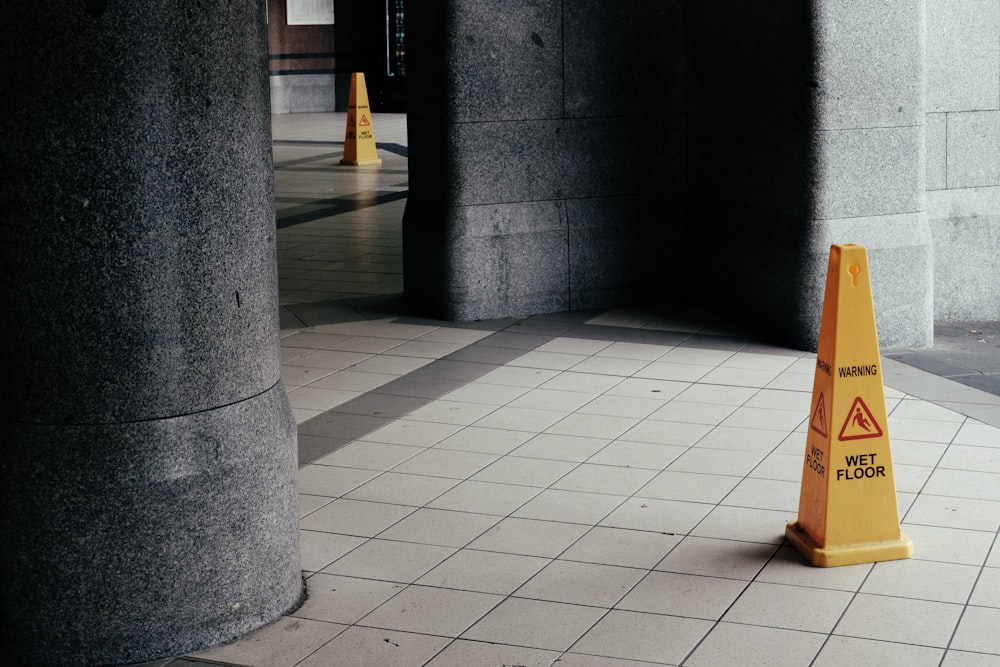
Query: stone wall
[(963, 156)]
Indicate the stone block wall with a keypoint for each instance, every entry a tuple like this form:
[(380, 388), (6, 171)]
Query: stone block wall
[(548, 154), (963, 156)]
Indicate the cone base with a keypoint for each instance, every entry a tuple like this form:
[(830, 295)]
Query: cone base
[(361, 163), (848, 554)]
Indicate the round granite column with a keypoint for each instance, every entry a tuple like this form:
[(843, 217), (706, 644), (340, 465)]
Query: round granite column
[(148, 451)]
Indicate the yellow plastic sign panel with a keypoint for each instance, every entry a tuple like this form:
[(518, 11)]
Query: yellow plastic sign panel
[(359, 139), (847, 504)]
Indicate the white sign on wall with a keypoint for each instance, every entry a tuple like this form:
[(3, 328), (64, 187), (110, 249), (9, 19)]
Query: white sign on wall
[(310, 12)]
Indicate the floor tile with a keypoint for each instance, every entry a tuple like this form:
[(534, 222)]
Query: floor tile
[(484, 498), (964, 484), (569, 345), (987, 591), (718, 558), (331, 481), (949, 545), (524, 471), (440, 527), (977, 631), (689, 486), (555, 361), (414, 433), (666, 433), (561, 447), (529, 537), (734, 644), (355, 517), (969, 457), (608, 479), (400, 489), (518, 377), (743, 439), (788, 567), (591, 383), (281, 644), (370, 646), (649, 637), (971, 514), (667, 516), (955, 658), (746, 525), (789, 607), (535, 623), (484, 571), (552, 399), (922, 580), (899, 620), (402, 562), (624, 350), (978, 434), (596, 426), (451, 412), (485, 440), (581, 583), (520, 419), (317, 549), (922, 429), (439, 462), (622, 406), (309, 504), (487, 394), (649, 388), (768, 494), (626, 548), (343, 599), (465, 653), (380, 456), (690, 596), (716, 461), (637, 455), (840, 651), (433, 611), (694, 413)]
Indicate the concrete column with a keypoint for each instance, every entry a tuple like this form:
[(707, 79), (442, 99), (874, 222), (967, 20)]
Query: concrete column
[(148, 462), (806, 128), (546, 154)]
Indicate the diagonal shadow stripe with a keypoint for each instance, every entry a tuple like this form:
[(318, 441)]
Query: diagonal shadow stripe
[(324, 208)]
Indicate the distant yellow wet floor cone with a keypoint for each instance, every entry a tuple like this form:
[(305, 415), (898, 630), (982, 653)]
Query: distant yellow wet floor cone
[(359, 138), (847, 505)]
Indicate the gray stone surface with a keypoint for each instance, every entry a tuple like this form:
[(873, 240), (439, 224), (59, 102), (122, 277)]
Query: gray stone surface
[(869, 172), (624, 249), (764, 118), (973, 149), (147, 474), (614, 82), (963, 55), (141, 239), (869, 63), (127, 542), (303, 93), (936, 132), (505, 60), (966, 271)]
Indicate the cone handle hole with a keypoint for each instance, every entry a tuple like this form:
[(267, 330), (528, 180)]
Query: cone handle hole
[(854, 270)]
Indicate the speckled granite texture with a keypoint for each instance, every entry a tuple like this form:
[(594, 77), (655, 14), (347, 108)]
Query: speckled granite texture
[(149, 452), (763, 124)]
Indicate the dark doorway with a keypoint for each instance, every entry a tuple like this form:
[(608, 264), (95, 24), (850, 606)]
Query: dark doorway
[(371, 38)]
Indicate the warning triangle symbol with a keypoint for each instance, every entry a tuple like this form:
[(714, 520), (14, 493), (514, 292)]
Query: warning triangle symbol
[(860, 423), (818, 421), (350, 120), (364, 121)]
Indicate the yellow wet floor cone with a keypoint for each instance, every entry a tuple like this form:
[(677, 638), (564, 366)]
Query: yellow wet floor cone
[(359, 139), (847, 505)]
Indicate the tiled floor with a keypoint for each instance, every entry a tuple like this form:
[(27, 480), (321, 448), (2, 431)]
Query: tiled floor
[(585, 489)]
